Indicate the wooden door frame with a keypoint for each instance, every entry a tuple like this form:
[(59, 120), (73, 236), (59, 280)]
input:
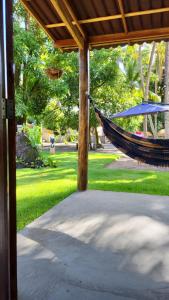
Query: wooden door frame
[(8, 270)]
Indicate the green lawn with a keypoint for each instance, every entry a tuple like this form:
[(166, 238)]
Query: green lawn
[(40, 189)]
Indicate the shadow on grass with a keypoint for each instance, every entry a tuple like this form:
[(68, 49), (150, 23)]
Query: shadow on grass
[(47, 175)]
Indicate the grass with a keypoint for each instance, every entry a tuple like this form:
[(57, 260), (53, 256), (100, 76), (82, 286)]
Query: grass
[(40, 189)]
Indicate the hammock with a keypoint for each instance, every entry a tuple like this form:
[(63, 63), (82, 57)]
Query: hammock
[(150, 151)]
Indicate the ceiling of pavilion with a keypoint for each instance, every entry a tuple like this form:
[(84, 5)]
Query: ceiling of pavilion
[(101, 22)]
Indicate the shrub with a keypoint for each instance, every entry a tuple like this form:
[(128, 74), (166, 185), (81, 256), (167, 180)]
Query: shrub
[(34, 134)]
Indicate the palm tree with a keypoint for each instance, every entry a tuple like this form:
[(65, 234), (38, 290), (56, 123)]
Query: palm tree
[(145, 85), (132, 73)]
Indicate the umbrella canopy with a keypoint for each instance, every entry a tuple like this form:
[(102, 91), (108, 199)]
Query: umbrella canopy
[(142, 109)]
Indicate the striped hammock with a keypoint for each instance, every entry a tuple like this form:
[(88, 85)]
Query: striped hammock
[(150, 151)]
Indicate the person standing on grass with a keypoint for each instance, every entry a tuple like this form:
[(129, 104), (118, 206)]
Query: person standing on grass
[(52, 141)]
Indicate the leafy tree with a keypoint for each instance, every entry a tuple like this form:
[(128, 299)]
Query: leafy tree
[(116, 80), (32, 86)]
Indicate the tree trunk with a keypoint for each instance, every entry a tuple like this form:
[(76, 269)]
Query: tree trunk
[(152, 126), (156, 124), (141, 70), (90, 140), (166, 94), (145, 87), (97, 137), (149, 72), (17, 75), (27, 21)]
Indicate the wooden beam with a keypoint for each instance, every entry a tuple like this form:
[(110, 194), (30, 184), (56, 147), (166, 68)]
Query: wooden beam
[(123, 15), (86, 21), (66, 18), (83, 142), (113, 17), (65, 43), (55, 25), (11, 154), (8, 268), (141, 35), (34, 15), (74, 18), (147, 12), (120, 38)]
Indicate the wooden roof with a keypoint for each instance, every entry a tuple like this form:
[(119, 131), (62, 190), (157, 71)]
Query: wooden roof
[(102, 23)]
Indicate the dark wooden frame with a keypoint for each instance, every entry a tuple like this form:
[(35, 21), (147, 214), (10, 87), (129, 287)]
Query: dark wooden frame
[(8, 262), (8, 270)]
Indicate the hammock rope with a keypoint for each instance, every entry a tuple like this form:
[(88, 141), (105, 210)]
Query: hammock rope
[(150, 151)]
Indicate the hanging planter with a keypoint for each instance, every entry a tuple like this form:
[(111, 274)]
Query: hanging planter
[(53, 73)]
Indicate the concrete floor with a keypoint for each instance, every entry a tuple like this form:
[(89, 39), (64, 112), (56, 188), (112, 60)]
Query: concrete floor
[(97, 245)]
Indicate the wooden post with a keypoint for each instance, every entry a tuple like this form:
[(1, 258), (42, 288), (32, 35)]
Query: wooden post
[(8, 274), (83, 118)]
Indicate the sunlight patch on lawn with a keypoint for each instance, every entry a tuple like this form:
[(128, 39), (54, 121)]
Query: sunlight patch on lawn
[(40, 189), (121, 180)]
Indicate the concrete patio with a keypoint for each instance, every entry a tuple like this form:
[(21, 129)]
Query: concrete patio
[(97, 245)]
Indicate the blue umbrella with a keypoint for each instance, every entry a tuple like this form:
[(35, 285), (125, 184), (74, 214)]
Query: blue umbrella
[(142, 109)]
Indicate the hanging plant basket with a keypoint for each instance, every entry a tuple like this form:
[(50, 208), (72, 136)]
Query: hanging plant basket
[(53, 73)]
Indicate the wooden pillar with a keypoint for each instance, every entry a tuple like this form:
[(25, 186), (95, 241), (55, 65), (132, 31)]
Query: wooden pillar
[(8, 277), (83, 118)]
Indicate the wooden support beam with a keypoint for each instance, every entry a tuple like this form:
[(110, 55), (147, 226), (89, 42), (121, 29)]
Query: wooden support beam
[(123, 15), (8, 269), (74, 17), (40, 23), (120, 38), (83, 118), (141, 35), (113, 17), (86, 21), (66, 18), (147, 12)]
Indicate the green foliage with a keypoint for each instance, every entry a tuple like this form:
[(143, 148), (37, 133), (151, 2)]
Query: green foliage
[(48, 161), (103, 68), (34, 134), (33, 89), (73, 136), (114, 78), (130, 67), (53, 116)]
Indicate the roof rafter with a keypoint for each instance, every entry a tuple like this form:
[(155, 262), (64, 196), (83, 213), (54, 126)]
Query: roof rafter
[(74, 17), (24, 2), (66, 18), (113, 17), (123, 15), (113, 39)]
